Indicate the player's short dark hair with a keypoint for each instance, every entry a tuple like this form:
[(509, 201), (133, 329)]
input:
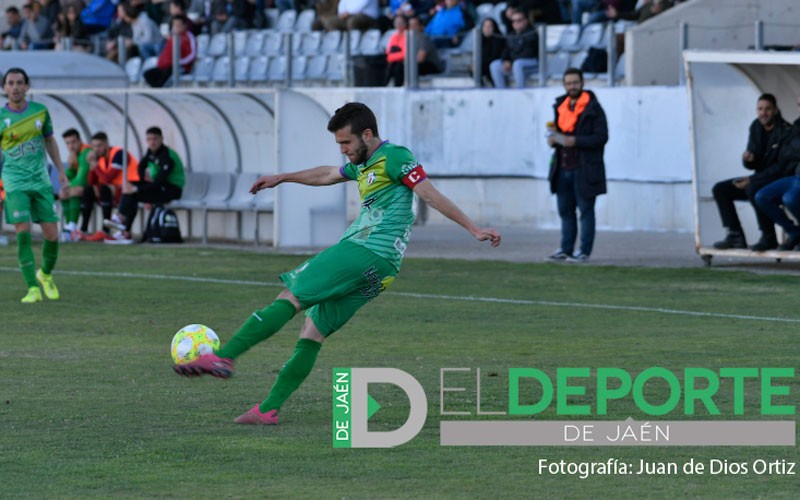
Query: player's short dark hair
[(181, 4), (154, 131), (357, 115), (769, 98), (18, 71), (181, 18), (70, 132), (100, 136), (12, 10), (573, 71)]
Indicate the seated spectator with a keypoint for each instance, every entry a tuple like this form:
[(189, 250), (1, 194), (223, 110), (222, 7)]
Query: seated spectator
[(158, 76), (76, 168), (105, 181), (199, 12), (598, 9), (97, 16), (764, 155), (178, 8), (51, 9), (145, 33), (645, 11), (70, 26), (121, 27), (36, 31), (161, 180), (784, 194), (493, 43), (521, 55), (229, 15), (540, 11), (448, 21), (12, 37), (358, 15), (428, 61)]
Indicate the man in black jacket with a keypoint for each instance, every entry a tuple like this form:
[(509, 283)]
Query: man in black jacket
[(162, 179), (577, 171), (521, 55), (767, 132)]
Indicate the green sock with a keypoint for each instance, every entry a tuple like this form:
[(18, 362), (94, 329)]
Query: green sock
[(25, 257), (73, 209), (49, 256), (260, 326), (292, 374)]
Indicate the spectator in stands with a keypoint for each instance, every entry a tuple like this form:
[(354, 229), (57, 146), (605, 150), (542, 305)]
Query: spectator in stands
[(767, 133), (521, 55), (539, 11), (77, 170), (51, 9), (145, 33), (161, 180), (70, 26), (229, 15), (597, 9), (493, 43), (97, 16), (11, 37), (178, 8), (200, 13), (158, 76), (784, 194), (358, 15), (449, 20), (428, 61), (577, 171), (121, 27), (105, 179), (36, 31), (641, 12)]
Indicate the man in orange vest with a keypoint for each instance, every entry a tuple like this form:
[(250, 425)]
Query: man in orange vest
[(106, 182), (577, 171)]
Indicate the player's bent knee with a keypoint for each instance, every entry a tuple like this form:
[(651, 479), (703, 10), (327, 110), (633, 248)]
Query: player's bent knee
[(310, 331), (286, 294)]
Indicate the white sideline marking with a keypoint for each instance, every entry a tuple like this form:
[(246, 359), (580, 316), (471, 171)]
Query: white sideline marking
[(525, 302)]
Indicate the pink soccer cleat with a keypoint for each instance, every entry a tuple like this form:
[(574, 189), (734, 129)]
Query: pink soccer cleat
[(207, 364), (253, 416)]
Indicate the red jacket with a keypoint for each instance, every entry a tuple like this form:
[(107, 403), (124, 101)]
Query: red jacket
[(188, 53)]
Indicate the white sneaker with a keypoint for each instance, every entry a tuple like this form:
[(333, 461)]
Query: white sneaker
[(120, 238), (114, 222)]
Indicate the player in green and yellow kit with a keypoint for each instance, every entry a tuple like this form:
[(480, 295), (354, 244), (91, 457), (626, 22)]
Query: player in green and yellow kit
[(334, 284), (26, 133)]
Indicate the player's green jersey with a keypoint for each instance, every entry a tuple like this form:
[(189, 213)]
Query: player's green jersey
[(22, 135), (385, 183)]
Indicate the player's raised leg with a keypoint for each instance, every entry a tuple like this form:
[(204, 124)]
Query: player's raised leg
[(293, 373)]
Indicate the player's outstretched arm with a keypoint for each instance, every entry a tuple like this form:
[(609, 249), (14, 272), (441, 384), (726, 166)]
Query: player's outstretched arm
[(428, 192), (317, 176)]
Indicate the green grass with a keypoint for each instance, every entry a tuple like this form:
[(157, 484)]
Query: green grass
[(90, 408)]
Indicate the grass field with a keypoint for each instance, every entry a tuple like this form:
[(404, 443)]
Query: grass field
[(89, 406)]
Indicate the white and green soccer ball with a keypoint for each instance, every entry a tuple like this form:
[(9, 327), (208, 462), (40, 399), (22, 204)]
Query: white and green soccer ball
[(191, 342)]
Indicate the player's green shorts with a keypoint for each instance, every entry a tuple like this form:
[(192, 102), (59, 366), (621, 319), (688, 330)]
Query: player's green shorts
[(24, 206), (335, 283)]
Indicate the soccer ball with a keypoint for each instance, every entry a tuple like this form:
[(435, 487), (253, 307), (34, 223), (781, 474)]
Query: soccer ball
[(191, 342)]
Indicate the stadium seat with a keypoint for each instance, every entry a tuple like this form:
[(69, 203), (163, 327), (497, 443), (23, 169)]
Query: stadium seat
[(220, 189), (316, 70), (286, 20), (149, 63), (619, 68), (385, 40), (554, 32), (331, 42), (355, 39), (310, 42), (569, 37), (273, 43), (240, 39), (272, 16), (241, 69), (218, 45), (335, 68), (297, 40), (194, 190), (557, 64), (221, 71), (591, 36), (299, 65), (370, 42), (255, 44), (576, 59), (497, 14), (203, 41), (277, 69), (457, 59), (304, 21), (259, 67), (484, 10), (133, 68), (201, 73)]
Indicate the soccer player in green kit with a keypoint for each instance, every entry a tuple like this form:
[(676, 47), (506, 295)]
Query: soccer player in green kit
[(335, 283), (26, 132)]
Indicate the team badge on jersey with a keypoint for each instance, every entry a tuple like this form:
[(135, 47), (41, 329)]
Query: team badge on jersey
[(38, 124), (370, 178), (8, 122)]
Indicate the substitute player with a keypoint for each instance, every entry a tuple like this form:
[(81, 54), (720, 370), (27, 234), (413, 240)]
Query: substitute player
[(334, 284), (26, 132), (78, 175)]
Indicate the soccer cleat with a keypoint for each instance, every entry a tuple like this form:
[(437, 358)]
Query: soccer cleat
[(207, 364), (253, 416), (98, 236), (115, 221), (34, 295), (48, 285)]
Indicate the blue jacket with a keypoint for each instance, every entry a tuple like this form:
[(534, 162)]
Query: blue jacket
[(447, 22), (98, 13)]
